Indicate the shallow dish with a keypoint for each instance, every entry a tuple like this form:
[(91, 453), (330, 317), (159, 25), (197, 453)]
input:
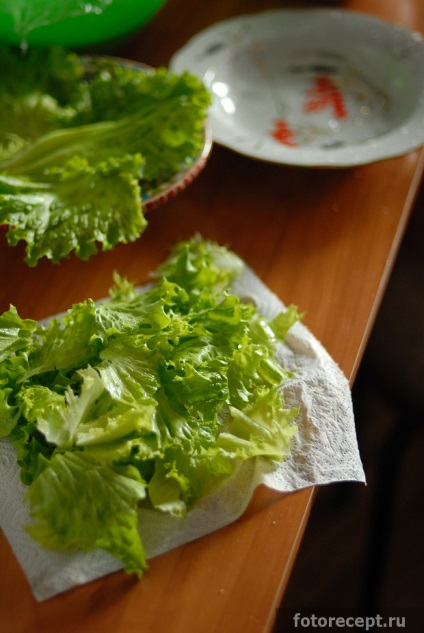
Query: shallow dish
[(314, 87)]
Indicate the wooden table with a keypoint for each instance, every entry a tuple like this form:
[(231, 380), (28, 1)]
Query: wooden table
[(323, 239)]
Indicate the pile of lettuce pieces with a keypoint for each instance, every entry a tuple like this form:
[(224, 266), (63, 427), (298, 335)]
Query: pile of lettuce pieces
[(150, 398), (79, 139)]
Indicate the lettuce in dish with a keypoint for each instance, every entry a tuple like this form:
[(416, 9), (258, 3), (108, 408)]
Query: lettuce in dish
[(79, 139)]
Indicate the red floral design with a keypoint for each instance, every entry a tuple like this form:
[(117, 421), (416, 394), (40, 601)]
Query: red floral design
[(283, 133), (326, 94)]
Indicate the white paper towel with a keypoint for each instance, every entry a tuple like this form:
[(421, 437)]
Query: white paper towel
[(324, 450)]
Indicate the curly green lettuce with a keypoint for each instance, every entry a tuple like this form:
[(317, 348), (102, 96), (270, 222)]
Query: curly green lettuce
[(147, 399), (78, 142)]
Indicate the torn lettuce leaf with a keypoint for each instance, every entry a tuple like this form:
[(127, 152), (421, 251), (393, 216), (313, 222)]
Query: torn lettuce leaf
[(149, 398)]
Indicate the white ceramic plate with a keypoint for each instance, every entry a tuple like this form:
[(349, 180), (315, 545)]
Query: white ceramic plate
[(313, 87), (155, 196)]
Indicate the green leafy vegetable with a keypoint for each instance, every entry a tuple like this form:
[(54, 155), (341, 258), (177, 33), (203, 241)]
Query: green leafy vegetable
[(149, 398), (79, 141)]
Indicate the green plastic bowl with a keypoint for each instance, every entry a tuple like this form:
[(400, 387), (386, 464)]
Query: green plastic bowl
[(117, 21)]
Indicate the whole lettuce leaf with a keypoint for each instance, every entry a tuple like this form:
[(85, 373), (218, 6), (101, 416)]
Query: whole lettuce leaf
[(152, 397), (105, 515)]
